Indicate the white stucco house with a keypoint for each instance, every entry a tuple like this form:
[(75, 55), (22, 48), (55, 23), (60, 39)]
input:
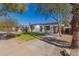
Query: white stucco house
[(44, 27)]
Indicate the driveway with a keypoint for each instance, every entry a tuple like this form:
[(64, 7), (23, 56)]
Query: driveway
[(34, 47)]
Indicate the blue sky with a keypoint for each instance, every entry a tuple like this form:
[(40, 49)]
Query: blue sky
[(30, 16)]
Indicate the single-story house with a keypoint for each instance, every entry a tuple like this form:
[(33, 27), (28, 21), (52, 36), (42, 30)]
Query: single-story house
[(44, 27)]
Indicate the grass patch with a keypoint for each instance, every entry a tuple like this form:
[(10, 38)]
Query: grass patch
[(35, 34), (25, 37), (21, 37), (16, 34)]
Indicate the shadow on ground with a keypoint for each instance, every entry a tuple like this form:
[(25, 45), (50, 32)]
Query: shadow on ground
[(56, 42), (6, 36)]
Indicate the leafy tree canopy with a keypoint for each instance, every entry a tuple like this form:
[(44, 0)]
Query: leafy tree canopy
[(8, 22), (12, 7), (48, 8), (57, 11)]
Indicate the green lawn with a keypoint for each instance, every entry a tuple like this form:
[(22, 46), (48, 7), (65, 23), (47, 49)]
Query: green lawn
[(27, 36)]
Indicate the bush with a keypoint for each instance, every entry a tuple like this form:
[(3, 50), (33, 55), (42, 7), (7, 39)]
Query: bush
[(35, 33)]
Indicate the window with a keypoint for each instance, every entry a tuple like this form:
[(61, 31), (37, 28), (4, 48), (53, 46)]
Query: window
[(47, 27)]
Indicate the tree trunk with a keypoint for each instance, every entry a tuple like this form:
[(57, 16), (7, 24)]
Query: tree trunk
[(75, 40), (59, 29), (75, 30), (75, 44), (75, 26)]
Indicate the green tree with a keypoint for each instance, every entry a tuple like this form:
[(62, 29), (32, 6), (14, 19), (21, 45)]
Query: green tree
[(7, 24), (6, 8), (74, 23), (55, 10), (12, 7)]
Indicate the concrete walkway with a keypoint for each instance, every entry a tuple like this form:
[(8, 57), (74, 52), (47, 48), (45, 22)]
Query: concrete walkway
[(34, 47)]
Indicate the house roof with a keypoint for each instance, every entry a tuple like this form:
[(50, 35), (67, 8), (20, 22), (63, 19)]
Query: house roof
[(45, 23)]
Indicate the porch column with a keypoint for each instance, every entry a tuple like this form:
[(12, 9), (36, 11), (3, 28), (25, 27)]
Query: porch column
[(51, 28), (43, 30)]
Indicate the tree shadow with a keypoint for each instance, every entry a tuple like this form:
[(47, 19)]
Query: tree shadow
[(53, 41), (6, 36), (56, 42)]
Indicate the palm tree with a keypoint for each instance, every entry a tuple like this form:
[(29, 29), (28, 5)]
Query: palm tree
[(75, 29), (75, 26)]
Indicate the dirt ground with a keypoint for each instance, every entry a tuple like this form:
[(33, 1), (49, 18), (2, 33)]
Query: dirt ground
[(34, 47)]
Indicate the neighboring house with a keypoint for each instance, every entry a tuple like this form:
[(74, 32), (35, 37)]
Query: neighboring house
[(17, 29), (44, 27)]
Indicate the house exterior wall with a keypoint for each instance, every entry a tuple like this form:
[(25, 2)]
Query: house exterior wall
[(36, 28), (41, 28)]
